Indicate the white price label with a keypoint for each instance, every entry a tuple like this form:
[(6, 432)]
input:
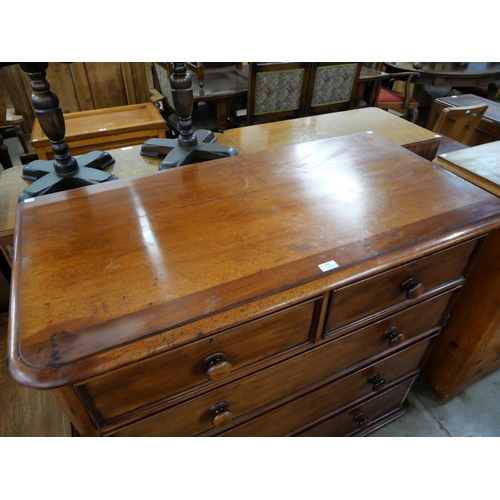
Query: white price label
[(326, 266)]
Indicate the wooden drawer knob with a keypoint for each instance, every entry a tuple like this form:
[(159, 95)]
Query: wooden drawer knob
[(394, 336), (412, 288), (220, 414), (216, 366), (377, 382), (362, 420)]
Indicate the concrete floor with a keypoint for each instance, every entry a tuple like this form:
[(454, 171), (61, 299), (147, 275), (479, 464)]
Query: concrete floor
[(475, 412)]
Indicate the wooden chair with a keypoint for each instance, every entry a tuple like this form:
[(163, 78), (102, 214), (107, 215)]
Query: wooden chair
[(466, 119), (388, 98), (198, 68), (332, 86), (276, 91)]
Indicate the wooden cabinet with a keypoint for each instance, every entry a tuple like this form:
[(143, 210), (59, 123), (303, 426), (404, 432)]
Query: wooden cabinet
[(296, 291)]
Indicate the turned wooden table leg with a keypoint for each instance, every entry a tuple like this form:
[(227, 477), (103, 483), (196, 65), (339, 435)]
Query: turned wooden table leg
[(65, 172), (223, 111), (189, 147)]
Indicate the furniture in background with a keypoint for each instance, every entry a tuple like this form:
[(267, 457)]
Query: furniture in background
[(370, 79), (303, 130), (191, 146), (390, 99), (316, 331), (82, 86), (225, 89), (9, 119), (198, 69), (203, 116), (106, 128), (465, 120), (487, 130), (332, 86), (438, 78), (469, 346), (64, 172), (488, 91), (277, 91)]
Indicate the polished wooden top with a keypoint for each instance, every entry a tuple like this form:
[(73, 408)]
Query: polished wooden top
[(81, 124), (370, 75), (479, 164), (128, 162), (450, 73), (283, 133), (109, 274)]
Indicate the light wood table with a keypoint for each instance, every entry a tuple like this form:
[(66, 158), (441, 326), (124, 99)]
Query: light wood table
[(287, 132), (469, 346), (128, 162), (106, 128), (479, 164)]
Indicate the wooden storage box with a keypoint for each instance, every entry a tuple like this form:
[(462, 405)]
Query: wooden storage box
[(103, 129)]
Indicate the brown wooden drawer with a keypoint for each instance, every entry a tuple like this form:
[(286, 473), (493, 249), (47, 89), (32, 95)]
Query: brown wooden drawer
[(182, 369), (316, 407), (364, 416), (278, 382), (365, 298)]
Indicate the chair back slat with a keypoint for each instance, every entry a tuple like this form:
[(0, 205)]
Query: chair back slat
[(466, 119)]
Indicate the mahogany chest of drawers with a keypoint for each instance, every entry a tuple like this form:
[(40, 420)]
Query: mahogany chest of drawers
[(296, 291)]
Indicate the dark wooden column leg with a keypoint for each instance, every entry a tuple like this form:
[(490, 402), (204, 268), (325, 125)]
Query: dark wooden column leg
[(223, 110), (182, 94), (65, 172), (190, 146), (50, 116)]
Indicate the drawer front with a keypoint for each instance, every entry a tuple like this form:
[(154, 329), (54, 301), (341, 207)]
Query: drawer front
[(367, 297), (361, 418), (388, 335), (315, 407), (204, 362), (233, 401)]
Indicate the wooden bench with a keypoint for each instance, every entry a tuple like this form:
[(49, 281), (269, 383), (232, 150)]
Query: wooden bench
[(103, 129)]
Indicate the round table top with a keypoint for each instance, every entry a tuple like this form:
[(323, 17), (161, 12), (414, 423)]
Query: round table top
[(450, 73)]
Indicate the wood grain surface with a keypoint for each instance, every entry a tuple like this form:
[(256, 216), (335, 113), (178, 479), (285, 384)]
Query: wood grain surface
[(100, 268)]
